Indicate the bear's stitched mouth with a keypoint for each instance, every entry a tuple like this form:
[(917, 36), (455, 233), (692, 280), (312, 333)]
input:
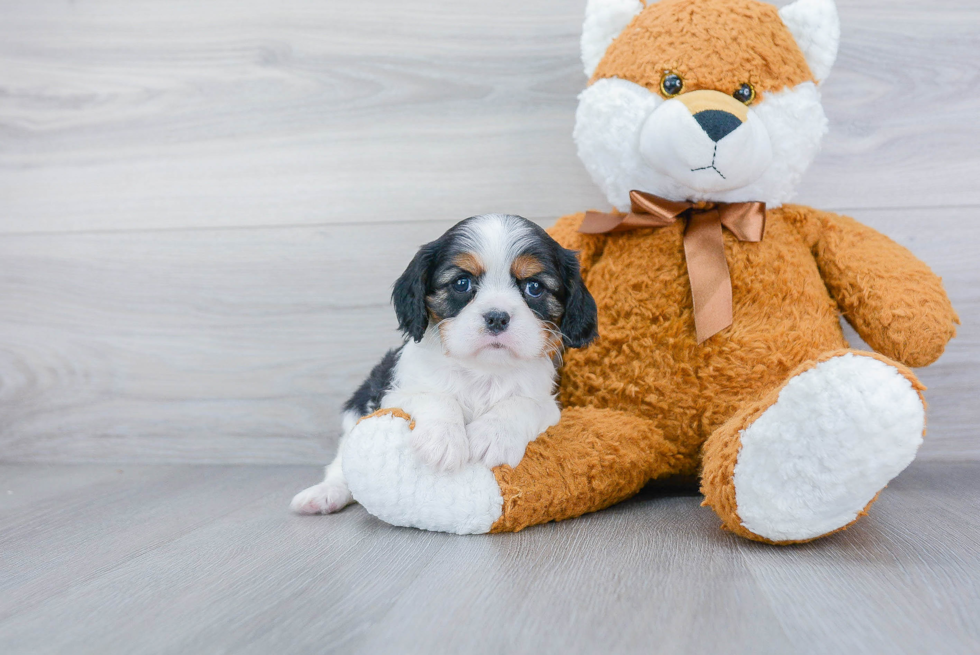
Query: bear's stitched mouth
[(711, 167)]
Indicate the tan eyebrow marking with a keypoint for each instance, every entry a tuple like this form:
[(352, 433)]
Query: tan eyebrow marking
[(526, 266), (470, 263)]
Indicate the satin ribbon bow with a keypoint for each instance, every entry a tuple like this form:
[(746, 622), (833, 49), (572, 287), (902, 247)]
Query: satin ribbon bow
[(704, 246)]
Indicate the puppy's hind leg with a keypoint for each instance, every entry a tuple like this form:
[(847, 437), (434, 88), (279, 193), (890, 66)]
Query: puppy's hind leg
[(332, 494), (328, 497)]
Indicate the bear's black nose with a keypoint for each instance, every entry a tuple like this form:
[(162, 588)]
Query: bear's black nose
[(717, 124), (497, 321)]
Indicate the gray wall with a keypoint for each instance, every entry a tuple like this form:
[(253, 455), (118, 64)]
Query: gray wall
[(203, 205)]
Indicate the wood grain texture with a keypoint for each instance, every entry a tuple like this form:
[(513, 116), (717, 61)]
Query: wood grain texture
[(213, 346), (927, 542), (122, 115), (236, 346), (62, 539), (648, 578), (202, 207), (206, 559)]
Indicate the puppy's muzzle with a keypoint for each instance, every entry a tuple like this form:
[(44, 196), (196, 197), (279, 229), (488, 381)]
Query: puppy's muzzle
[(718, 114)]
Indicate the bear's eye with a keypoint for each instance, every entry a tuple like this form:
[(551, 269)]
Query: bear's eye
[(745, 93), (671, 84)]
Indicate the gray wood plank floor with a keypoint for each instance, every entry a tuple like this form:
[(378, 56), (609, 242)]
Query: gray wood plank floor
[(181, 559)]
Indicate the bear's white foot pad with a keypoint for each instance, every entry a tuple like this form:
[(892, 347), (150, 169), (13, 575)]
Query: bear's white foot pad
[(837, 434), (391, 482)]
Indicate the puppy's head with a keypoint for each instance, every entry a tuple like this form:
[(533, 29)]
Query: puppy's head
[(496, 289)]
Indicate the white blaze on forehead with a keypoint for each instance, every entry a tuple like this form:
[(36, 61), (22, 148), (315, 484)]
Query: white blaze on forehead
[(497, 239)]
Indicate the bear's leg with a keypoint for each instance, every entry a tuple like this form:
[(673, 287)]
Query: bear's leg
[(810, 458), (591, 459)]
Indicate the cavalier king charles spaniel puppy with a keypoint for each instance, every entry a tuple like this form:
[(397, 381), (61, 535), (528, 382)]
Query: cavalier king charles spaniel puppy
[(486, 310)]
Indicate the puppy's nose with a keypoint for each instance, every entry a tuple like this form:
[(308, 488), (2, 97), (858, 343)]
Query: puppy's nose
[(497, 321), (717, 124)]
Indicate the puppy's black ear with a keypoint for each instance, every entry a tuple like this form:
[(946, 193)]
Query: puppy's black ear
[(579, 326), (408, 294)]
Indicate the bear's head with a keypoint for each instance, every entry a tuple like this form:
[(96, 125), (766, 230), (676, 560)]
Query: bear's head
[(703, 100)]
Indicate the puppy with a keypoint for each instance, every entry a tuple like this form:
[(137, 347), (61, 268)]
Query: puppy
[(486, 310)]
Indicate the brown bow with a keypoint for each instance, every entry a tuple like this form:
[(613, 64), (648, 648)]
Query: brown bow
[(704, 246)]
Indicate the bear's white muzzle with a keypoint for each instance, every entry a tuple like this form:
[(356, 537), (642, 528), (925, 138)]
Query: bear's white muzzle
[(706, 141)]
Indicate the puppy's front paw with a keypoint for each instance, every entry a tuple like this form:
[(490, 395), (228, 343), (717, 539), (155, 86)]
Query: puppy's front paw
[(325, 498), (441, 444), (495, 441)]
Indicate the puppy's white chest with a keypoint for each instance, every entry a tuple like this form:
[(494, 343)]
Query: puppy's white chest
[(477, 396)]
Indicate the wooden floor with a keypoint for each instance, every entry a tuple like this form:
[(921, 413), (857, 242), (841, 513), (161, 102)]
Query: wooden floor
[(184, 559)]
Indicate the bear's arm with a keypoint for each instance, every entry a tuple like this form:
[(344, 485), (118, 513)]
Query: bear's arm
[(589, 246), (891, 298)]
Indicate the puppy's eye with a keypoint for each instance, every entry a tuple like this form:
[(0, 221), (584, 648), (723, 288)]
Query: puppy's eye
[(533, 288), (671, 84), (463, 285), (745, 93)]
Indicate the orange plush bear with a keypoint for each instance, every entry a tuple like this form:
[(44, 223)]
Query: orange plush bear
[(720, 351)]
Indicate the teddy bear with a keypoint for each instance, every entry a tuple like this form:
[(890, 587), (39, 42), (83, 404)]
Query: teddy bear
[(720, 354)]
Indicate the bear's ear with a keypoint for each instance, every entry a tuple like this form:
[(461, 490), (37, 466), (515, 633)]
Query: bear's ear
[(604, 20), (816, 27)]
